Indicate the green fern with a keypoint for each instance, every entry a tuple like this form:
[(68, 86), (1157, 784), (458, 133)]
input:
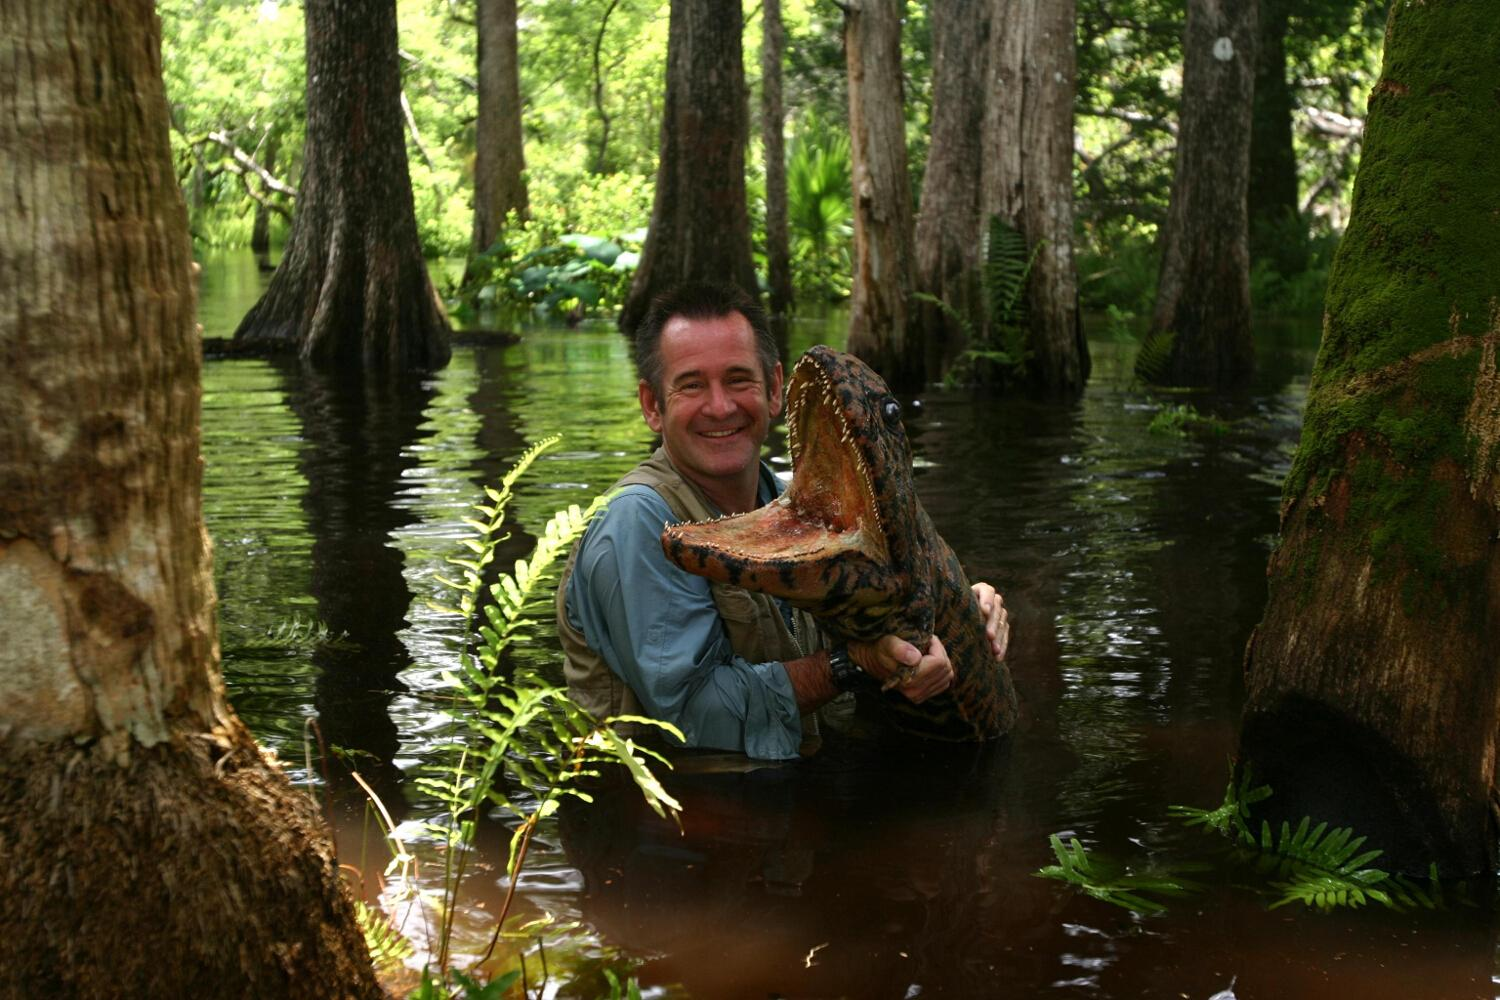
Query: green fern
[(388, 949), (1007, 265), (1154, 359), (292, 637), (1111, 882), (1311, 863), (1229, 819), (515, 729)]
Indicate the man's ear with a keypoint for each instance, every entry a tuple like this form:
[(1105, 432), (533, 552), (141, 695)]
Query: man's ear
[(650, 405), (773, 391)]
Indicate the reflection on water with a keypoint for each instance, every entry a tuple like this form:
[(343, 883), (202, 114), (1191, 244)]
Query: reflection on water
[(1134, 566)]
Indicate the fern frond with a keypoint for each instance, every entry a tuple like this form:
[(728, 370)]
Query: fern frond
[(291, 637), (1111, 882), (1154, 359)]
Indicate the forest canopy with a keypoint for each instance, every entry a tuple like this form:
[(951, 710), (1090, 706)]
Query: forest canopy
[(591, 83)]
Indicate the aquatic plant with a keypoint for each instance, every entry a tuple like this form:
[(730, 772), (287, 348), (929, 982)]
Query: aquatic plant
[(511, 727), (1111, 881), (1175, 420), (1000, 342), (293, 636)]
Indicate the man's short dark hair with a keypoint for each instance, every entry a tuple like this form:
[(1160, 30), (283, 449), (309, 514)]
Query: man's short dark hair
[(700, 300)]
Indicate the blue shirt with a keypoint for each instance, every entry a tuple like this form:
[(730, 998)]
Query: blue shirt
[(658, 629)]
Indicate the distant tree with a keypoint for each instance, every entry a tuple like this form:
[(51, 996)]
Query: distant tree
[(772, 126), (883, 325), (700, 227), (1277, 233), (949, 223), (1373, 679), (499, 155), (1203, 293), (352, 289), (150, 848), (1028, 174)]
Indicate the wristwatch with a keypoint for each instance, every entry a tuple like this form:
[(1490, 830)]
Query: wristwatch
[(846, 674)]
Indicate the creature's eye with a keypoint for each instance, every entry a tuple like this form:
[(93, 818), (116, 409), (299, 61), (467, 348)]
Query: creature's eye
[(890, 411)]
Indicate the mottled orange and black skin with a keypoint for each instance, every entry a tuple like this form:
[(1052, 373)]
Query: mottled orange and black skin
[(850, 542)]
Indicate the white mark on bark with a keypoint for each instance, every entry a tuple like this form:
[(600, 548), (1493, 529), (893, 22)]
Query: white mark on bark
[(1482, 422), (41, 697), (1223, 49)]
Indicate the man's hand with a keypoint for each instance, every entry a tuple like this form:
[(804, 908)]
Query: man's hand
[(996, 618), (918, 675)]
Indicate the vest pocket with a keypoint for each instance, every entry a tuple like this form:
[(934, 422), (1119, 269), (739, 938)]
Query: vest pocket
[(735, 604)]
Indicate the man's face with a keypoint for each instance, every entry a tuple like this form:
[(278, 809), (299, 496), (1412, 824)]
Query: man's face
[(715, 408)]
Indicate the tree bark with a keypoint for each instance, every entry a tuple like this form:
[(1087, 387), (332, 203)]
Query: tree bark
[(1277, 233), (772, 126), (1028, 175), (499, 152), (260, 228), (949, 223), (352, 289), (700, 228), (150, 849), (1373, 683), (1203, 291), (883, 326)]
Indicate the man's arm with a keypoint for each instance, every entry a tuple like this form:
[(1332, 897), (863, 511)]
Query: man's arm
[(658, 629)]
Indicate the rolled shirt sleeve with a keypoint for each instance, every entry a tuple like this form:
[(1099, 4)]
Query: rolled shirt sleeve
[(658, 629)]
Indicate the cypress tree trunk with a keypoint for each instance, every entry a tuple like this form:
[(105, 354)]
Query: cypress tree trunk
[(883, 327), (949, 224), (352, 289), (772, 124), (1373, 679), (1028, 174), (499, 153), (260, 228), (150, 849), (1277, 233), (700, 228), (1203, 293)]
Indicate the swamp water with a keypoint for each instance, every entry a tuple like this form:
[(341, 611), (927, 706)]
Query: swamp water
[(1133, 562)]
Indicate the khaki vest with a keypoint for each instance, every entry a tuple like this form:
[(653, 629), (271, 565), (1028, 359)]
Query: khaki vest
[(753, 622)]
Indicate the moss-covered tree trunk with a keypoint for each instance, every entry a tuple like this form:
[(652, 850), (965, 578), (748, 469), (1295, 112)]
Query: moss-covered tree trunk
[(772, 126), (1203, 292), (1277, 233), (1028, 174), (949, 227), (499, 154), (883, 327), (700, 227), (150, 849), (352, 290), (1374, 677)]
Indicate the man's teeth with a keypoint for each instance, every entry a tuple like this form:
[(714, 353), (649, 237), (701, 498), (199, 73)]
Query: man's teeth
[(720, 434)]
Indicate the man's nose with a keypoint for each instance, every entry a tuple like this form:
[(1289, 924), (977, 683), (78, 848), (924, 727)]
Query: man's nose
[(720, 403)]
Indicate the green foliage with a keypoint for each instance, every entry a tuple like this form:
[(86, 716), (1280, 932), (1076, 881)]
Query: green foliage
[(1111, 882), (520, 743), (1313, 864), (1230, 818), (820, 212), (1154, 359), (388, 949), (1175, 421), (578, 275), (291, 637), (997, 349)]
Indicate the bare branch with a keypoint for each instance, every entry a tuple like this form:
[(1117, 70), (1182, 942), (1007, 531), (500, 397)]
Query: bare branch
[(1332, 123), (1133, 118), (416, 137), (243, 162)]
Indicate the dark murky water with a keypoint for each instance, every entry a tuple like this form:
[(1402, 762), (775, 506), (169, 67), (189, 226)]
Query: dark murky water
[(1134, 565)]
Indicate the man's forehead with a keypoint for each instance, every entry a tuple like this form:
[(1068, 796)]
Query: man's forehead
[(698, 344)]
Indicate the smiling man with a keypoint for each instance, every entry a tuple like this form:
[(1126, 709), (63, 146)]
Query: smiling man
[(734, 670)]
